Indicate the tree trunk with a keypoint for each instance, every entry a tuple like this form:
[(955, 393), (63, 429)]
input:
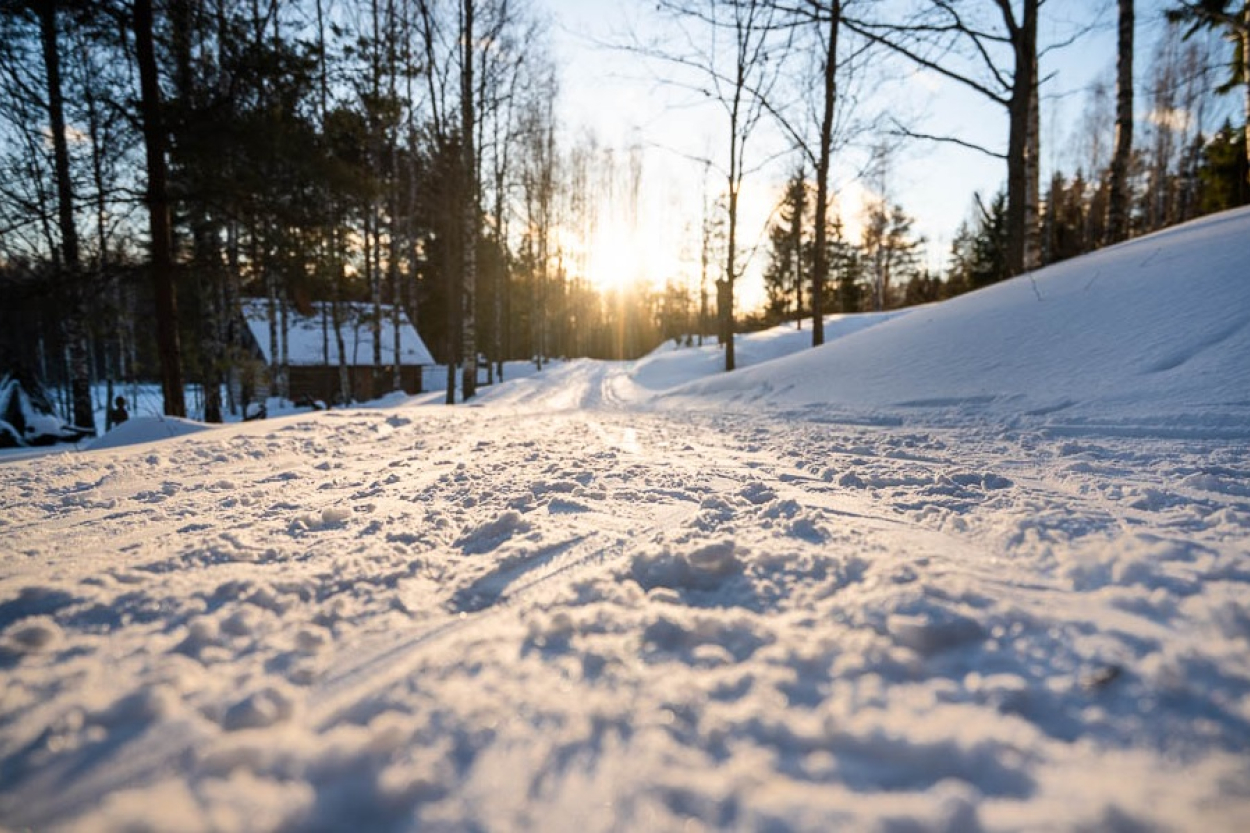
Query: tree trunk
[(275, 356), (1025, 46), (74, 329), (820, 258), (796, 232), (1245, 75), (284, 333), (468, 385), (397, 375), (208, 273), (725, 297), (1117, 206), (158, 211), (1032, 182)]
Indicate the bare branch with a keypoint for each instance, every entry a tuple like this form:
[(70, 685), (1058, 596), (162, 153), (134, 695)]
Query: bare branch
[(864, 31), (901, 130)]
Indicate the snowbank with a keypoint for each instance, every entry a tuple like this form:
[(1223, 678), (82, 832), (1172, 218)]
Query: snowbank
[(146, 429), (1154, 329)]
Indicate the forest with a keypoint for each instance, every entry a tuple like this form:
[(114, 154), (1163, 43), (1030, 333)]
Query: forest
[(163, 162)]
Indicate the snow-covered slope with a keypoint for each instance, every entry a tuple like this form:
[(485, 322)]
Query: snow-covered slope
[(1154, 329), (982, 566)]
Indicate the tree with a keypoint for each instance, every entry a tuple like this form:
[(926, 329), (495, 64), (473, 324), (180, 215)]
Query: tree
[(157, 196), (737, 78), (1235, 23), (789, 257), (75, 332), (890, 250), (538, 189), (979, 253), (469, 204), (846, 263), (822, 20), (943, 27), (828, 103), (1117, 211), (1224, 174)]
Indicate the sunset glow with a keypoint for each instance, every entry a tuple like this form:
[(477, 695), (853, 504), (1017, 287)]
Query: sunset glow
[(615, 259)]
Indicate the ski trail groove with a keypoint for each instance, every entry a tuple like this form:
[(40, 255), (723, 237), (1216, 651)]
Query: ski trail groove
[(373, 670)]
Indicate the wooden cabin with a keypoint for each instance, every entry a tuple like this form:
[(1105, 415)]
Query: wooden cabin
[(313, 356)]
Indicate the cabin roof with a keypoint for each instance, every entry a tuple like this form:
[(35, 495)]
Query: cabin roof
[(311, 341)]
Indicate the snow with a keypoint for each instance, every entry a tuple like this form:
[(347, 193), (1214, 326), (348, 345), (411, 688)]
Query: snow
[(145, 429), (1154, 330), (311, 340), (979, 565)]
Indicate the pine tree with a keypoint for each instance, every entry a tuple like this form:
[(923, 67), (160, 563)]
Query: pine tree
[(1223, 172), (979, 254), (789, 257), (1235, 23), (891, 252)]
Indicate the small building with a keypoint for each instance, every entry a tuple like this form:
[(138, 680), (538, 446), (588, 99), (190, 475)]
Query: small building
[(313, 356)]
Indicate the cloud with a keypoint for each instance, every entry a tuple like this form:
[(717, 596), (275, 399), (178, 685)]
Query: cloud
[(1174, 119)]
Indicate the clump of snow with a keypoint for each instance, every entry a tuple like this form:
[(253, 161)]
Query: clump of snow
[(982, 565), (701, 568)]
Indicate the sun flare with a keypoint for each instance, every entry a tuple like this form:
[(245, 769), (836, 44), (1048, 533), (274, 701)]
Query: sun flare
[(616, 260)]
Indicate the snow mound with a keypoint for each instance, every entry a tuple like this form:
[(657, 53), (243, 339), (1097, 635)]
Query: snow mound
[(1157, 328), (145, 430), (669, 366)]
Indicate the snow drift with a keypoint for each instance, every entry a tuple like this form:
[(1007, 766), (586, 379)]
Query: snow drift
[(1157, 328)]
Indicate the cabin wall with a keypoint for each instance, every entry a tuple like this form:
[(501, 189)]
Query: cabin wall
[(322, 383)]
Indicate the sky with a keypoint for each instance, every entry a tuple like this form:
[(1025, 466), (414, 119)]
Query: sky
[(619, 98)]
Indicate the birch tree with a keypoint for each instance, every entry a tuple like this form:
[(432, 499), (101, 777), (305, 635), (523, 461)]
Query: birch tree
[(1117, 208)]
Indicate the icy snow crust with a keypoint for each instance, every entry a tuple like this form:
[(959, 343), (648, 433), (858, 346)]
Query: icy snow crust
[(982, 565)]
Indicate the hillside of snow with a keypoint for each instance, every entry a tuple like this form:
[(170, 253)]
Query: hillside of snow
[(981, 565), (1156, 330)]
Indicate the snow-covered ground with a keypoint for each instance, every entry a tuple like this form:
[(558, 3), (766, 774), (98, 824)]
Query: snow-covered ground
[(981, 565)]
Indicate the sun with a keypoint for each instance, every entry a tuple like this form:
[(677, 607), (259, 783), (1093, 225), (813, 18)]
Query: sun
[(616, 259)]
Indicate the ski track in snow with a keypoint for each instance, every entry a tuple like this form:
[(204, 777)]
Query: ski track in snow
[(576, 607)]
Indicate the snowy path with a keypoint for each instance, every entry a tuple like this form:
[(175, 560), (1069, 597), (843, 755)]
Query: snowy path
[(564, 610)]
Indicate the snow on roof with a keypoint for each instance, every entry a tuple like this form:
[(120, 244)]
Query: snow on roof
[(311, 341)]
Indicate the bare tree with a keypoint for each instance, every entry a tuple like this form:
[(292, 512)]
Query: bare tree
[(158, 213), (945, 28), (820, 265), (737, 77), (1117, 207), (538, 184)]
